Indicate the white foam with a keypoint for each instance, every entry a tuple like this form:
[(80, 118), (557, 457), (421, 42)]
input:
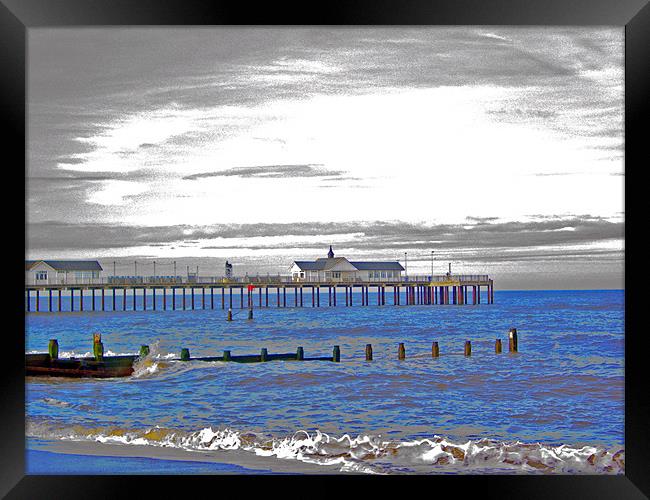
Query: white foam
[(360, 454)]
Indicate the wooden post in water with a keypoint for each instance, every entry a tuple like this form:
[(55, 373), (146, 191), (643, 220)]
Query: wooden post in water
[(134, 294), (102, 299), (300, 354), (401, 351), (264, 355), (183, 299), (230, 297), (250, 313), (512, 340), (229, 316), (50, 301), (59, 301), (241, 297), (468, 348), (435, 351), (53, 349), (144, 350), (497, 346), (98, 347), (368, 352), (123, 299), (185, 354), (336, 354), (226, 355), (81, 299)]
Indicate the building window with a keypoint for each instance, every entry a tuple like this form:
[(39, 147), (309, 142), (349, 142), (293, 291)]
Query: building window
[(41, 275)]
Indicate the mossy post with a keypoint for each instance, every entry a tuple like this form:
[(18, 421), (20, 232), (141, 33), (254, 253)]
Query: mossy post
[(98, 351), (512, 340), (401, 351), (264, 355), (497, 346), (144, 350), (226, 355), (185, 354), (336, 354), (229, 316), (468, 348), (53, 349), (435, 351), (368, 352), (300, 354)]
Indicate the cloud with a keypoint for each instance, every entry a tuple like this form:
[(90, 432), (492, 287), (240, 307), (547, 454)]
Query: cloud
[(366, 236), (269, 172)]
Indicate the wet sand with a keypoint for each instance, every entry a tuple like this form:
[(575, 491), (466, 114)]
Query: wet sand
[(232, 457)]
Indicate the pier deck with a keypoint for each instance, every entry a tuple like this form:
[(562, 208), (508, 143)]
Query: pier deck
[(432, 290)]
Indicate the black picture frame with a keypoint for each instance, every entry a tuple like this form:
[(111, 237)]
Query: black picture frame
[(17, 16)]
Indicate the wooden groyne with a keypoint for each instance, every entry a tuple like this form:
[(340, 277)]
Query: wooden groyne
[(100, 366), (451, 290)]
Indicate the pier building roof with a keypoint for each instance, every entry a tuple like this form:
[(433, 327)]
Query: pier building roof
[(341, 263), (67, 265)]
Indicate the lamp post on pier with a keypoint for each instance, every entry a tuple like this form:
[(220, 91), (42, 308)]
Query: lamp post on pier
[(406, 265)]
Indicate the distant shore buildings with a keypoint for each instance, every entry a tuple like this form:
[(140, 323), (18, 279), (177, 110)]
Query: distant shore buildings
[(43, 272), (332, 268)]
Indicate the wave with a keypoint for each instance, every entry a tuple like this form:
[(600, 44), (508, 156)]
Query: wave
[(365, 453)]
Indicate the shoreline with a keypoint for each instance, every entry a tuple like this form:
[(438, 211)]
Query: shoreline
[(246, 460)]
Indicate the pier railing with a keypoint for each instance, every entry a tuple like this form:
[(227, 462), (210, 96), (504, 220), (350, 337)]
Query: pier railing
[(257, 279)]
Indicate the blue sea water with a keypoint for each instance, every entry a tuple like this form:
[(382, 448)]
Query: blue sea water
[(556, 406)]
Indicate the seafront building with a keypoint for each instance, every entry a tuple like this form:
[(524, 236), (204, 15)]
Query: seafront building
[(44, 272), (333, 269)]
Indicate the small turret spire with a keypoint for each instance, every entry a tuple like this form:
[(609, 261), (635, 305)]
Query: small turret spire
[(330, 254)]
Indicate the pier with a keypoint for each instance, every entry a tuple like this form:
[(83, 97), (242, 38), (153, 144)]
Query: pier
[(179, 293)]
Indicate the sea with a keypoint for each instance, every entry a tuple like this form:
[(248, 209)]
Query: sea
[(554, 407)]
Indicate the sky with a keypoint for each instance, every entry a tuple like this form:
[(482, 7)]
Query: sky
[(500, 149)]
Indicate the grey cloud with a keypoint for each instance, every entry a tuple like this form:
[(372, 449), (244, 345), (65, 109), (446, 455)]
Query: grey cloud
[(269, 172), (368, 235)]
